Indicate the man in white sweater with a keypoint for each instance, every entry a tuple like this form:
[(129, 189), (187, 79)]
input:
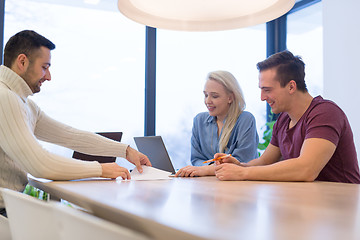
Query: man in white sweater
[(26, 67)]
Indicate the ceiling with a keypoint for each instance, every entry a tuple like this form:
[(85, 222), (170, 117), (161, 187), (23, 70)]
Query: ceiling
[(111, 5)]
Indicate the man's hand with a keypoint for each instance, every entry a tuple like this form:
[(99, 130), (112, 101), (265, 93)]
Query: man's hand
[(230, 172), (137, 158), (193, 171), (113, 170)]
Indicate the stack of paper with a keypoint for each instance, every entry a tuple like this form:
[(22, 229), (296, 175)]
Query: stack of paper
[(149, 173)]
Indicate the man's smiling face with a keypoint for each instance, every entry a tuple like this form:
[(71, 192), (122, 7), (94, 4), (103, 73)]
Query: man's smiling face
[(37, 71)]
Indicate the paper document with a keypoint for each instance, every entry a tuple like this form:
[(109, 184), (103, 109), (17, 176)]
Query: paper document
[(149, 173)]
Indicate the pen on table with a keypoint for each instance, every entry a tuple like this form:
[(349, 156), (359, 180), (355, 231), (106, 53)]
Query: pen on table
[(218, 158)]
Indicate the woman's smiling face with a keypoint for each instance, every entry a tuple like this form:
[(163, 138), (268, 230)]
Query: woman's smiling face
[(217, 99)]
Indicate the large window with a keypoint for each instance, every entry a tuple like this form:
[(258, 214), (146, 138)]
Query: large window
[(305, 39), (97, 67), (183, 61)]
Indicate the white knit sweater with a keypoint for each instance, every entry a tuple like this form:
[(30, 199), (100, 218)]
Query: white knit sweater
[(22, 122)]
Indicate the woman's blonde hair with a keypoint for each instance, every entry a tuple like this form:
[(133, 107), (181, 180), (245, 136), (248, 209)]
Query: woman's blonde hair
[(237, 106)]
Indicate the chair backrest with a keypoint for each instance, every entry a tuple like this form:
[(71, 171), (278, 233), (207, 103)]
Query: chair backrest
[(101, 159), (29, 218), (75, 224), (4, 228)]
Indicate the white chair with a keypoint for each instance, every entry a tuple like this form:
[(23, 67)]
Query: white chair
[(29, 218), (75, 225), (4, 228)]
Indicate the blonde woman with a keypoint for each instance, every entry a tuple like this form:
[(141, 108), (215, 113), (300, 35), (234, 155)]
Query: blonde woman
[(225, 128)]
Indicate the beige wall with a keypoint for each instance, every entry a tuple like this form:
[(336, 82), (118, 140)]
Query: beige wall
[(341, 20)]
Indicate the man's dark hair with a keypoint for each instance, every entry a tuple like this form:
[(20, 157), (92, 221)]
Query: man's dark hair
[(25, 42), (288, 67)]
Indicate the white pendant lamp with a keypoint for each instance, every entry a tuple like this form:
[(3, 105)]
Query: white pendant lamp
[(203, 15)]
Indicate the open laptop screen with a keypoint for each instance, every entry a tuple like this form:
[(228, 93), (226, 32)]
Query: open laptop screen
[(154, 148)]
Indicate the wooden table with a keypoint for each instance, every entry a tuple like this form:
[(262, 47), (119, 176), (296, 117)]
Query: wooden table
[(206, 208)]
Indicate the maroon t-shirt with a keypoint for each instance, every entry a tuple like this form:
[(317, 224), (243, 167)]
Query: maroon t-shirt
[(323, 119)]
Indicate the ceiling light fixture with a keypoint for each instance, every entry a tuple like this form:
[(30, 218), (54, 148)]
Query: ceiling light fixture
[(203, 15)]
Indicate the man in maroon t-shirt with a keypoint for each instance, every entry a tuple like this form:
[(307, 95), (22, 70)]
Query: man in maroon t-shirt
[(312, 138)]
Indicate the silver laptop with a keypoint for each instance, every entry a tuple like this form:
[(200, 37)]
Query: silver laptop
[(154, 148)]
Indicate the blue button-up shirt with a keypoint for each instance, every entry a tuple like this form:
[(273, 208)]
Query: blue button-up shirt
[(242, 143)]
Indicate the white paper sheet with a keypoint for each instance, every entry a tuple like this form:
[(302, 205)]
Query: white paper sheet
[(149, 173)]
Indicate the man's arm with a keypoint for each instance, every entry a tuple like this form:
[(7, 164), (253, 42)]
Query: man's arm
[(314, 155), (50, 130), (19, 144), (271, 155)]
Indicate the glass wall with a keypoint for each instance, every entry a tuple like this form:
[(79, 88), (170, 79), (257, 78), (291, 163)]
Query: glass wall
[(305, 38), (183, 61), (97, 67), (99, 62)]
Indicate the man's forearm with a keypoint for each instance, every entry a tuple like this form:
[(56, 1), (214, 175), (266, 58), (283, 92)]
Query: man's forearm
[(255, 162), (288, 170)]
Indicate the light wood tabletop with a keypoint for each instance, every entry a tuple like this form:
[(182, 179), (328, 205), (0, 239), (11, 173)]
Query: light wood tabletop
[(206, 208)]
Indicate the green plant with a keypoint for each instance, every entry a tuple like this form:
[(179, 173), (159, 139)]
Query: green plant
[(40, 194), (266, 136), (35, 192)]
